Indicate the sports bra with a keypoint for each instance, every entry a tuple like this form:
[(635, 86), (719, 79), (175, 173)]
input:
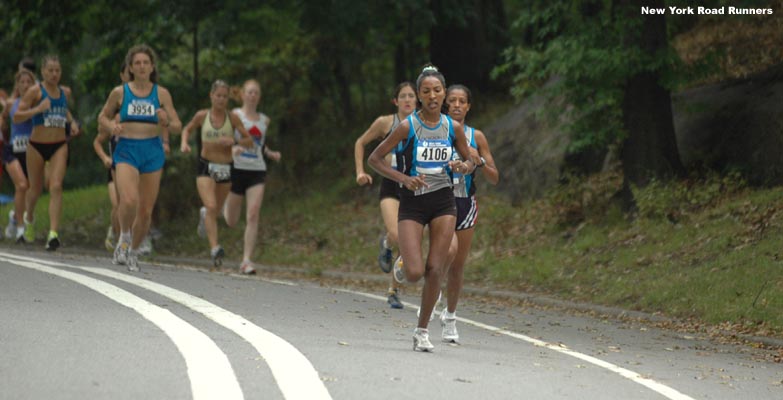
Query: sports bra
[(210, 134), (57, 115), (139, 109)]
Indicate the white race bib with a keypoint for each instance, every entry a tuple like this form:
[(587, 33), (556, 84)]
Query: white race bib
[(141, 109), (19, 144), (432, 155), (220, 172), (54, 121)]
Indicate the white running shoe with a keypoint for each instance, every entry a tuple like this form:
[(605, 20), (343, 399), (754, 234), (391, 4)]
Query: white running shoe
[(121, 253), (449, 325), (132, 261), (421, 340), (29, 230), (246, 268), (399, 273), (10, 229), (201, 230), (20, 234), (435, 307), (145, 247)]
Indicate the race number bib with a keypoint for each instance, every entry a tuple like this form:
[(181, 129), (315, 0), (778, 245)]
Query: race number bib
[(141, 109), (54, 121), (432, 155), (220, 172), (19, 144)]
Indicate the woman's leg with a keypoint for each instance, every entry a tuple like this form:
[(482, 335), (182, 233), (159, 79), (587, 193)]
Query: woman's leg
[(127, 183), (441, 233), (21, 185), (255, 197), (206, 190), (410, 236), (389, 210), (58, 165), (233, 209), (457, 267), (149, 187), (35, 173), (114, 198)]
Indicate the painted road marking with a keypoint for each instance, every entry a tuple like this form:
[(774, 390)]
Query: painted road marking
[(295, 375), (657, 387), (209, 371)]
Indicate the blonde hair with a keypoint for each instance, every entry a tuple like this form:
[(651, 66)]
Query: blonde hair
[(15, 93), (219, 84)]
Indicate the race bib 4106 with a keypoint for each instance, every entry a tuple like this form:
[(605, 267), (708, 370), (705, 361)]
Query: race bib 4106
[(432, 155)]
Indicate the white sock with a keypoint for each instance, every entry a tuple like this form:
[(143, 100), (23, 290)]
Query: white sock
[(449, 315), (126, 237)]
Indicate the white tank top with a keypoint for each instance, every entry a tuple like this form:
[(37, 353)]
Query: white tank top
[(252, 159)]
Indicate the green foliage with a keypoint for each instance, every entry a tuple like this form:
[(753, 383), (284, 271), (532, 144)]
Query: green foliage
[(675, 200), (588, 51), (326, 68)]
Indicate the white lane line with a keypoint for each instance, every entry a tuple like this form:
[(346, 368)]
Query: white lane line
[(657, 387), (210, 373), (295, 375)]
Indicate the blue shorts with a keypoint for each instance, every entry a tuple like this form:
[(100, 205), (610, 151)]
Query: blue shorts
[(146, 155)]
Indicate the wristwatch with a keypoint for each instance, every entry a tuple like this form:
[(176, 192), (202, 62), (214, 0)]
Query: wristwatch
[(483, 162)]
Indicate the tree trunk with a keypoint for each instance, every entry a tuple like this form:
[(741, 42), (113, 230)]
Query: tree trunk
[(650, 150)]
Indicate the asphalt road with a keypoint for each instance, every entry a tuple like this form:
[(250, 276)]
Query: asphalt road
[(80, 328)]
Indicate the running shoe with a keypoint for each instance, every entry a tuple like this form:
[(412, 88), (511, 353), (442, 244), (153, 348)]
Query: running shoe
[(399, 273), (133, 260), (29, 234), (52, 241), (217, 255), (10, 229), (437, 303), (109, 241), (394, 300), (385, 255), (121, 253), (20, 234), (201, 230), (449, 325), (246, 268), (145, 247), (421, 340)]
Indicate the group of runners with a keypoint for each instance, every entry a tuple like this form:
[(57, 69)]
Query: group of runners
[(428, 158), (37, 126), (136, 120)]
